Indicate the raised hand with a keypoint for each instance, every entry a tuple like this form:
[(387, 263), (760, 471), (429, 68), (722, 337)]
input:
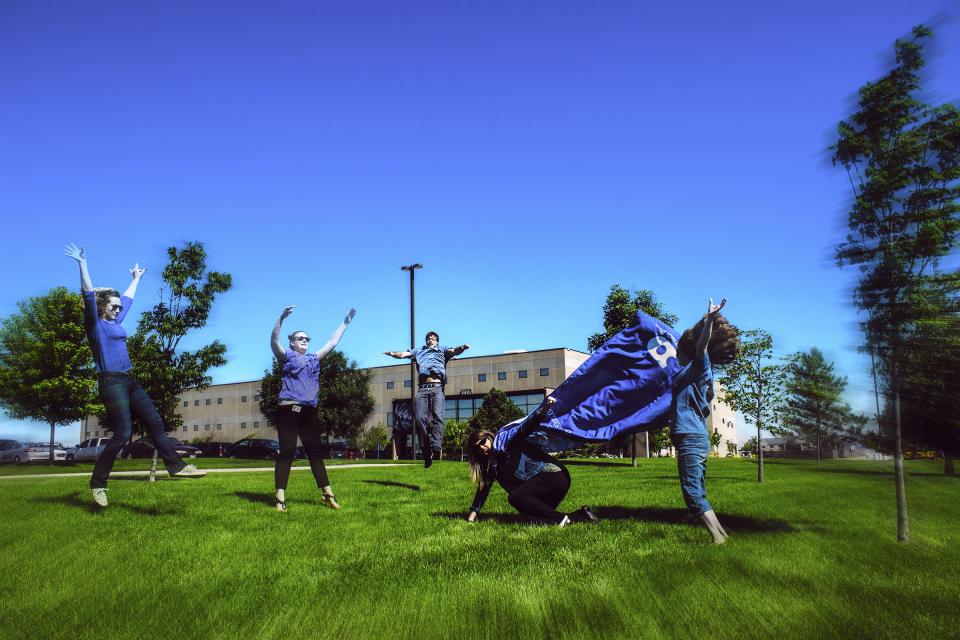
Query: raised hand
[(287, 311), (350, 315), (75, 252), (137, 271), (713, 309)]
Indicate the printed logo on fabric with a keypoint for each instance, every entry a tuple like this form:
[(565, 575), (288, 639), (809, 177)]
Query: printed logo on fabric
[(662, 349)]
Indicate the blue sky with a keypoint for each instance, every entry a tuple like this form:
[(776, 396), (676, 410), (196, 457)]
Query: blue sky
[(528, 154)]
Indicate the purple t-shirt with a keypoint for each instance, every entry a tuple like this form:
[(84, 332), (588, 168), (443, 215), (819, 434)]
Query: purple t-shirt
[(300, 378), (108, 339)]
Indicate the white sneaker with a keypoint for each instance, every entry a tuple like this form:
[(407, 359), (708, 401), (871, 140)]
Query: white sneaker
[(189, 471), (330, 501), (564, 522), (100, 496), (281, 506)]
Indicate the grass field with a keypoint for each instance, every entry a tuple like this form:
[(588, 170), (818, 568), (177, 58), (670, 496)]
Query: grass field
[(811, 555)]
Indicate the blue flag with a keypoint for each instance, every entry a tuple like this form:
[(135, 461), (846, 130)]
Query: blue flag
[(623, 387)]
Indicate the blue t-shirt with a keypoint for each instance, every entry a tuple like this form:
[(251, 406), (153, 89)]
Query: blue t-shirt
[(692, 394), (300, 377), (431, 362), (108, 339)]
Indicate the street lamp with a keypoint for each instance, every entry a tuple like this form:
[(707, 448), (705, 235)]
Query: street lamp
[(413, 374)]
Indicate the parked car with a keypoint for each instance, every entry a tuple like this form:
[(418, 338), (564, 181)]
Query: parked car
[(143, 448), (213, 449), (254, 449), (29, 452), (87, 450)]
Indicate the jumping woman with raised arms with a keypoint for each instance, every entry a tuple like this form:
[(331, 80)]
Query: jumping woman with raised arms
[(104, 310)]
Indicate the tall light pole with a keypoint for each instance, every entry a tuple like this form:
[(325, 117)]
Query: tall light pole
[(413, 371)]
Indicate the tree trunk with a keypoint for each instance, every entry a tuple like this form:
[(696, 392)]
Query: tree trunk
[(53, 431), (759, 454), (948, 469), (818, 447), (153, 465), (903, 527), (633, 450)]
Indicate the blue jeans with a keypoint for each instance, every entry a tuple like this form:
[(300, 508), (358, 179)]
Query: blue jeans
[(123, 396), (428, 414), (692, 451)]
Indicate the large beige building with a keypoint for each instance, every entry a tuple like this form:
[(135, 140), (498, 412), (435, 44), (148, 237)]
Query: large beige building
[(229, 412)]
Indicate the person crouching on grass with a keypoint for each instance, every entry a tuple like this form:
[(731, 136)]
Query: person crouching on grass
[(715, 341), (103, 312), (535, 482), (297, 412)]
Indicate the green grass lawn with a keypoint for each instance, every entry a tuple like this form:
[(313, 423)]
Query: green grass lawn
[(811, 555)]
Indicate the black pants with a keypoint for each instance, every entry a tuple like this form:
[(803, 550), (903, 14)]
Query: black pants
[(302, 421), (538, 497), (123, 397)]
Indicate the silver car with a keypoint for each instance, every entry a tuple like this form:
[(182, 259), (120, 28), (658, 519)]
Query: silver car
[(30, 452), (87, 450)]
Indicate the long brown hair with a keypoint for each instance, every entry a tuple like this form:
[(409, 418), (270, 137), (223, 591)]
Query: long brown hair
[(103, 295), (479, 461), (723, 346)]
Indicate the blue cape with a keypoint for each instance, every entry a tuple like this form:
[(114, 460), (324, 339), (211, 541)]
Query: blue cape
[(623, 387)]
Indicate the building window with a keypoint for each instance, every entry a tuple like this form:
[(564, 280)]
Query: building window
[(219, 427), (256, 397), (527, 402), (219, 400), (96, 434), (501, 375), (256, 424), (196, 427), (522, 373), (196, 403), (243, 398), (206, 427), (184, 428), (186, 403), (207, 402), (407, 384), (243, 425), (390, 385), (390, 419), (544, 372), (481, 377)]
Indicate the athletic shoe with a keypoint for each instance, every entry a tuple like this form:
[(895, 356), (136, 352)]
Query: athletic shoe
[(189, 471), (281, 506), (330, 500), (564, 522), (427, 458), (100, 496), (584, 514)]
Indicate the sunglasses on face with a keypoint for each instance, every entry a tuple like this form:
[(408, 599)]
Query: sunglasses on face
[(303, 338), (118, 307)]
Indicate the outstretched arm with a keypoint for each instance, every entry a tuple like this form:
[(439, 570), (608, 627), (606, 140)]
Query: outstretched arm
[(137, 273), (455, 351), (78, 254), (704, 339), (335, 338), (275, 345), (398, 354)]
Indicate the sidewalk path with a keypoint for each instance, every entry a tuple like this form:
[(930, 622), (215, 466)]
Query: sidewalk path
[(163, 473)]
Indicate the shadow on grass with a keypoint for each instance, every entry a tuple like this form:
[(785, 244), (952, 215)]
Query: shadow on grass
[(663, 515), (78, 500), (597, 463), (259, 498), (388, 483), (501, 518)]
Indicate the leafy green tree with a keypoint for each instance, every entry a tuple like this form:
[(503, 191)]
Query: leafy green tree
[(753, 385), (659, 439), (186, 299), (813, 410), (930, 410), (497, 410), (344, 401), (715, 442), (902, 157), (375, 437), (621, 308), (454, 433), (47, 372)]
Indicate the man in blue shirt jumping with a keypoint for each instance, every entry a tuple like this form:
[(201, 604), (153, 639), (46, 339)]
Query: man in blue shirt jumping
[(431, 362)]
